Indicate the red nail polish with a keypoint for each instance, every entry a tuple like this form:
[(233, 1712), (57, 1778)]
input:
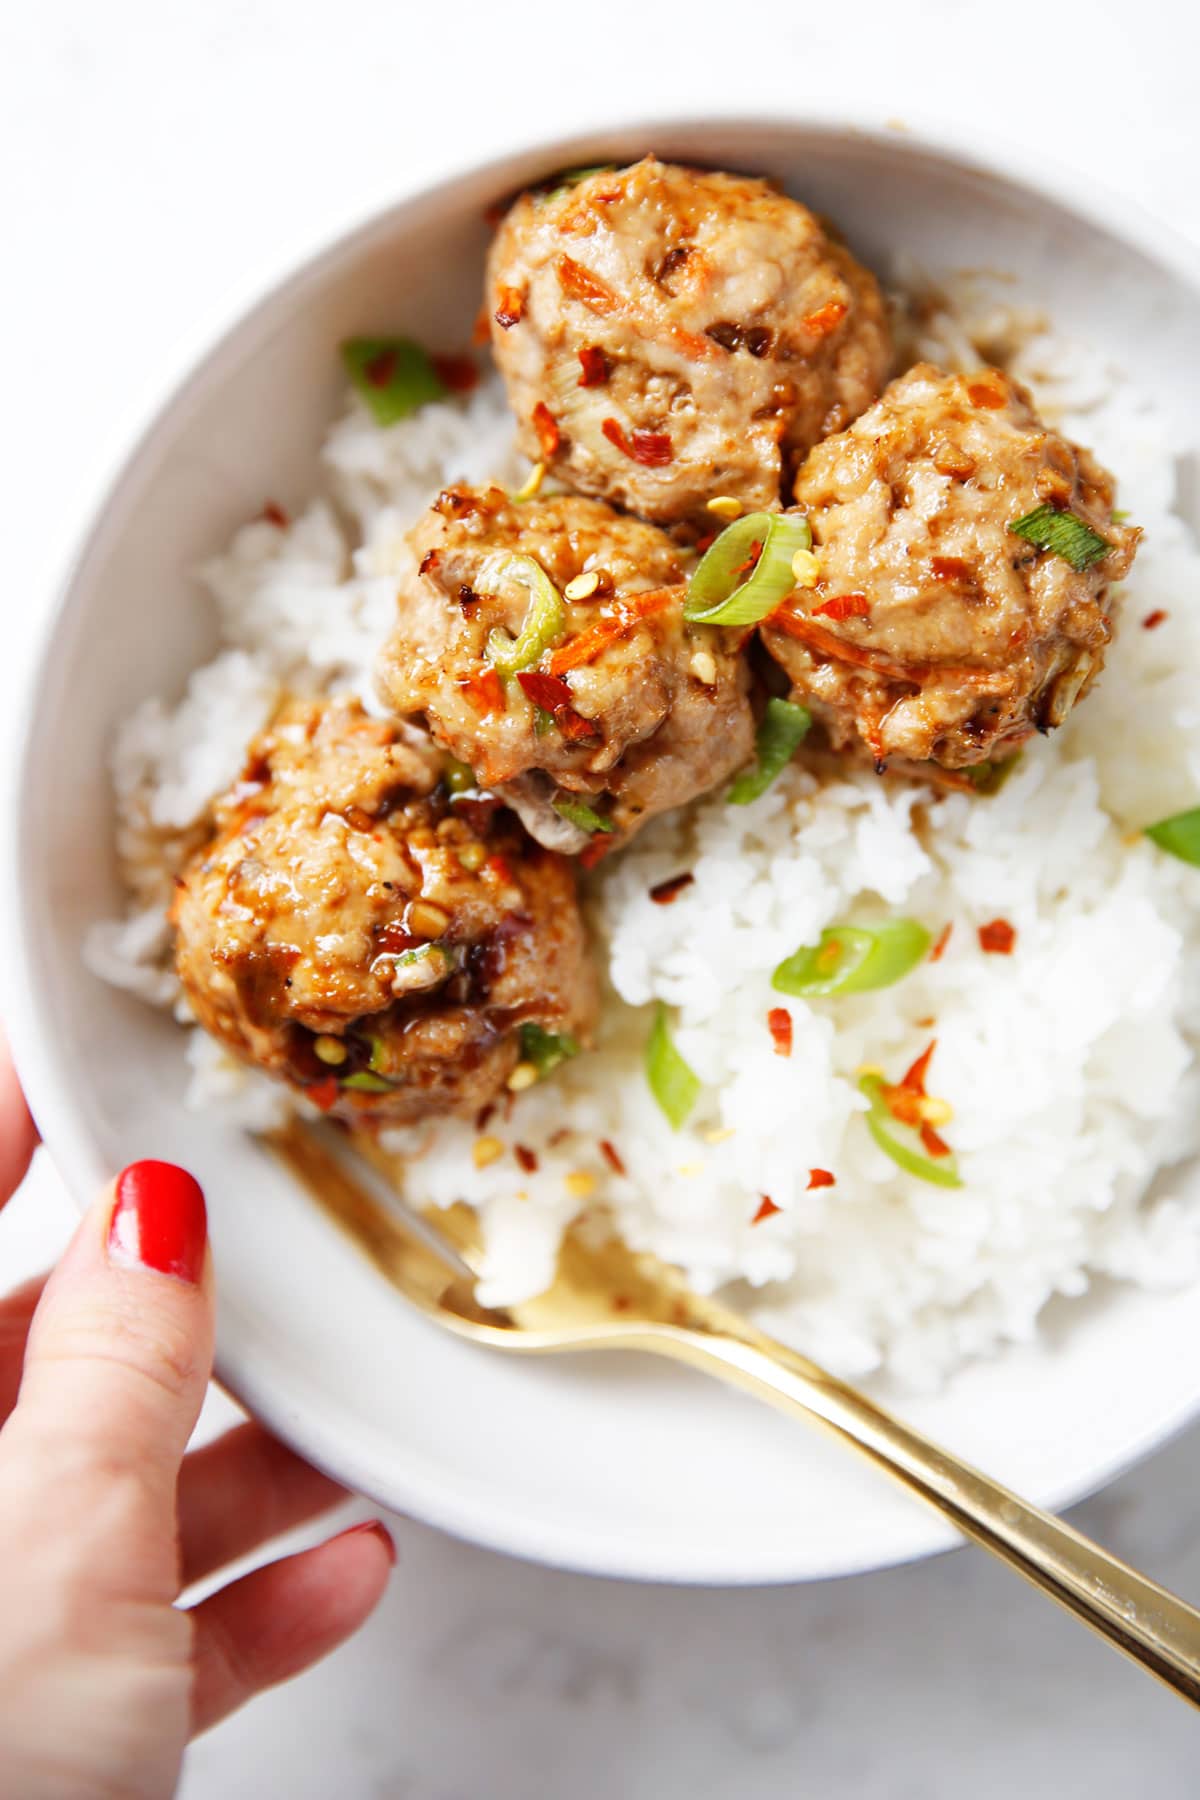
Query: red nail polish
[(379, 1530), (158, 1221)]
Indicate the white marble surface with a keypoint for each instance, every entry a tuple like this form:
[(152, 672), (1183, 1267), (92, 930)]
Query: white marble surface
[(158, 164)]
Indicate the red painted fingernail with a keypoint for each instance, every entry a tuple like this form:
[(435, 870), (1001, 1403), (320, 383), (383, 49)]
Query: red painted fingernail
[(158, 1221), (380, 1531)]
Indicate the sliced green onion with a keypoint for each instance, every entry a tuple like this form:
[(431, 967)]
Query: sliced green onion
[(716, 593), (546, 1049), (543, 721), (1179, 836), (673, 1083), (545, 617), (570, 178), (902, 1143), (459, 777), (783, 729), (990, 777), (852, 959), (393, 375), (1064, 534), (364, 1081), (577, 812)]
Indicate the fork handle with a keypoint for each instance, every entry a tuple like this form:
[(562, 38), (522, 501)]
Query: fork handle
[(1141, 1619)]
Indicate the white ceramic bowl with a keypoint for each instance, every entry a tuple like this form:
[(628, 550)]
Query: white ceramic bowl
[(618, 1466)]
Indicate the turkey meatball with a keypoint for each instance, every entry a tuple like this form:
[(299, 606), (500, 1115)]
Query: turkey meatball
[(353, 931), (670, 334), (619, 709), (935, 630)]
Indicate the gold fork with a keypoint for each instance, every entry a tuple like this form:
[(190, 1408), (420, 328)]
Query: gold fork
[(604, 1297)]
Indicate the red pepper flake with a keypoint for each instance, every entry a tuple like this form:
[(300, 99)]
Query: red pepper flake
[(391, 938), (752, 561), (526, 1158), (665, 892), (481, 331), (914, 1079), (765, 1210), (827, 318), (819, 1178), (612, 1157), (1153, 620), (380, 369), (988, 394), (950, 568), (274, 514), (458, 373), (511, 307), (484, 690), (579, 283), (483, 1117), (596, 851), (549, 437), (653, 449), (324, 1093), (934, 1145), (997, 938), (779, 1024), (428, 561), (939, 949), (553, 695), (706, 542), (596, 366), (844, 606), (498, 866)]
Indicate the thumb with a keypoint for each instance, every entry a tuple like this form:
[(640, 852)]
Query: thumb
[(120, 1347)]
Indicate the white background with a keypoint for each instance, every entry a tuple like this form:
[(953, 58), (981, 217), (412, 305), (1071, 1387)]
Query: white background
[(159, 163)]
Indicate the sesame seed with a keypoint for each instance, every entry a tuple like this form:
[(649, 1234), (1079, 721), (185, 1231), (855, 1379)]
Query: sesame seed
[(721, 1136), (486, 1150), (330, 1050), (724, 506), (580, 1184), (805, 568), (522, 1077), (427, 920), (472, 856), (583, 586), (934, 1111), (704, 668)]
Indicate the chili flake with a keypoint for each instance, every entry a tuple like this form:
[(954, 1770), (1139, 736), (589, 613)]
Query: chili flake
[(664, 892), (526, 1158), (273, 514), (1154, 619), (939, 949), (595, 365), (458, 373), (819, 1178), (511, 308), (580, 284), (324, 1093), (779, 1024), (827, 318), (765, 1210), (484, 690), (548, 435), (844, 606), (612, 1156), (653, 449), (988, 394), (997, 938)]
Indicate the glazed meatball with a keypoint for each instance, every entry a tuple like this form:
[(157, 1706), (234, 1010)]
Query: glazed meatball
[(934, 631), (353, 931), (670, 334), (625, 711)]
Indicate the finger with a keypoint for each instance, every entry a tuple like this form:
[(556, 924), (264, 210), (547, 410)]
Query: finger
[(241, 1491), (283, 1618), (120, 1349), (16, 1311), (18, 1133)]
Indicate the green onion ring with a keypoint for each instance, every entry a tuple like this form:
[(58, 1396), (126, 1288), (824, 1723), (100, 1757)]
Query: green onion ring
[(1179, 836), (715, 595), (546, 1049), (578, 812), (899, 1141), (853, 959), (545, 617), (784, 728), (673, 1083), (365, 1081)]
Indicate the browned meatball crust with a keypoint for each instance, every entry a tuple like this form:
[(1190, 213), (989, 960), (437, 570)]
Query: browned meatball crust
[(630, 710), (669, 334), (352, 930), (934, 631)]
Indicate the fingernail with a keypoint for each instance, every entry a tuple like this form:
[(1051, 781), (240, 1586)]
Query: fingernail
[(379, 1530), (158, 1221)]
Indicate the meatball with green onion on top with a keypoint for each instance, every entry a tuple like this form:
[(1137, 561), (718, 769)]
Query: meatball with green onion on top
[(668, 334), (960, 593), (544, 644), (356, 930)]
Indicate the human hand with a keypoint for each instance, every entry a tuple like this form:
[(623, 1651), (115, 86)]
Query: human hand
[(103, 1519)]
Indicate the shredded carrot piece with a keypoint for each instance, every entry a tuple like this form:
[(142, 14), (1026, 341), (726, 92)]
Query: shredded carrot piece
[(590, 644), (580, 284), (939, 949), (767, 1207)]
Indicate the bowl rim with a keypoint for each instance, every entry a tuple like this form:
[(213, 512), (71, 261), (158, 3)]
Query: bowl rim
[(76, 1157)]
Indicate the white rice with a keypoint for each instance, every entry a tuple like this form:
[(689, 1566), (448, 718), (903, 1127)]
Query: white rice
[(1068, 1065)]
